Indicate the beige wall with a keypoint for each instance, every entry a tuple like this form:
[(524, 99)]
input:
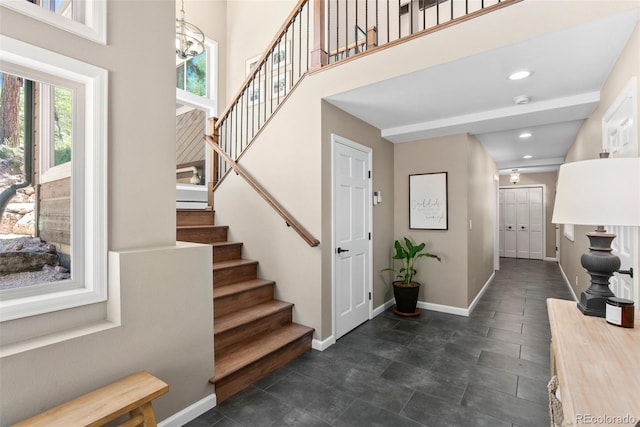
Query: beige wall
[(446, 282), (482, 216), (159, 315), (587, 145), (467, 252), (292, 174), (251, 25), (548, 179), (336, 121)]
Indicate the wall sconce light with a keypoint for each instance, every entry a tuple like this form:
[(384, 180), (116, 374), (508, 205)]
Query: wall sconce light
[(515, 176)]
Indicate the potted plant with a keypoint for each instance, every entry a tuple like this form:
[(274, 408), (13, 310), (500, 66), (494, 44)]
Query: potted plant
[(405, 289)]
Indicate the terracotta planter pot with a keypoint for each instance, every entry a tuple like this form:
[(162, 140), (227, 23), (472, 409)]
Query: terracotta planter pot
[(406, 297)]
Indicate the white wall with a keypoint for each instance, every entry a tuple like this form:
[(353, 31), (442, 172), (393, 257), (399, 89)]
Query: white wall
[(159, 315)]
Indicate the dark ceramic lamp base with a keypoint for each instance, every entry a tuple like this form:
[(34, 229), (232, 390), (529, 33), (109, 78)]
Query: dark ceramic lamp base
[(600, 263)]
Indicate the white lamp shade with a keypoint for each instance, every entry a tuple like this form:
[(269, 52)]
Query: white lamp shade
[(599, 192)]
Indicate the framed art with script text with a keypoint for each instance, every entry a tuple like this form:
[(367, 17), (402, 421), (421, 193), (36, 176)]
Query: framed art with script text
[(428, 201)]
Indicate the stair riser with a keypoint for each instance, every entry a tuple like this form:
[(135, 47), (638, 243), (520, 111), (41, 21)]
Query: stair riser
[(194, 218), (238, 274), (227, 252), (230, 303), (202, 235), (232, 384), (261, 326)]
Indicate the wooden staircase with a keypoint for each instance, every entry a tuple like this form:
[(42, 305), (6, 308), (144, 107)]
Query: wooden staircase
[(253, 333)]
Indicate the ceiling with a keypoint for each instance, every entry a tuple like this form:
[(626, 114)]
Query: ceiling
[(473, 95)]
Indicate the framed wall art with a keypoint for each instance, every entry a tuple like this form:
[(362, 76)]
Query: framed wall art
[(428, 201), (255, 92), (251, 63)]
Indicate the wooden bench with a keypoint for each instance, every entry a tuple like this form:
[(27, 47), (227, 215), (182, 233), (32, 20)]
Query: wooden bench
[(131, 395)]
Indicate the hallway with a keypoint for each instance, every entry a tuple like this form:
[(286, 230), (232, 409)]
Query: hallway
[(490, 369)]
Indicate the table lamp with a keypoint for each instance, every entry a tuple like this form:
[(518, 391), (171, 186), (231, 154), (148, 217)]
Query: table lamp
[(599, 192)]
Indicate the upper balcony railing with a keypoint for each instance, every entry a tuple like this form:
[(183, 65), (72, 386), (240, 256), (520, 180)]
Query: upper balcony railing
[(318, 33)]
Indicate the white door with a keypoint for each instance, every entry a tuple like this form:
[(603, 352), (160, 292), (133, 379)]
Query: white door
[(536, 225), (620, 139), (510, 223), (522, 222), (352, 213), (501, 223)]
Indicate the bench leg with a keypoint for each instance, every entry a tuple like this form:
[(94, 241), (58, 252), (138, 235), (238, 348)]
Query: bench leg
[(142, 416), (149, 416)]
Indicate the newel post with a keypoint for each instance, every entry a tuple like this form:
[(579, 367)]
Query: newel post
[(319, 57)]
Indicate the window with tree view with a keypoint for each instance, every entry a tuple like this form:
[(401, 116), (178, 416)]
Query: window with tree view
[(62, 121), (191, 75), (36, 139)]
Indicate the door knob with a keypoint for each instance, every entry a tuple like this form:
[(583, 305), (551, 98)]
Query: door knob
[(522, 227), (340, 250), (509, 227)]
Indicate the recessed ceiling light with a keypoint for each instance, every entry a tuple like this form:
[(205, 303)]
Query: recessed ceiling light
[(528, 156), (524, 135), (519, 75)]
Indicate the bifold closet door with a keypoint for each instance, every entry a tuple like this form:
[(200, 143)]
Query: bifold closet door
[(521, 223), (536, 239), (509, 223), (501, 223)]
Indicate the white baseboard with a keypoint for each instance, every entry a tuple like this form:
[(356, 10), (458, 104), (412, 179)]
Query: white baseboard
[(477, 298), (439, 307), (380, 309), (568, 283), (323, 345), (191, 412), (551, 259), (443, 308)]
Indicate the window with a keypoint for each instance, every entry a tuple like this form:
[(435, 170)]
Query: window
[(191, 75), (85, 18), (196, 79), (74, 102), (56, 117)]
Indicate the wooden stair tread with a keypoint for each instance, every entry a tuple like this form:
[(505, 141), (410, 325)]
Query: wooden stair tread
[(256, 349), (232, 263), (196, 227), (247, 315), (226, 243), (237, 288), (207, 209)]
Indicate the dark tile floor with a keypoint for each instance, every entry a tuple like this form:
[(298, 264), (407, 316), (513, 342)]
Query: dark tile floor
[(488, 369)]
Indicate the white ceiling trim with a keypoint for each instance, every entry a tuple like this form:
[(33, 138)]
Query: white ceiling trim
[(534, 169), (543, 112), (517, 164)]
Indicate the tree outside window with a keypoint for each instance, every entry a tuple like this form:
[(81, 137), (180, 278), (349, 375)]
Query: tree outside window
[(191, 75)]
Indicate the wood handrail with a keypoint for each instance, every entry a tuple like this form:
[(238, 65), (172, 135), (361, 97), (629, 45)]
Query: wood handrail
[(289, 219), (262, 60)]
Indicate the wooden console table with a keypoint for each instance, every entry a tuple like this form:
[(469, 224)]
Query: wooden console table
[(597, 365)]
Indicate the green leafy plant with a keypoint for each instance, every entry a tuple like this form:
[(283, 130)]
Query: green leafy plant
[(409, 254)]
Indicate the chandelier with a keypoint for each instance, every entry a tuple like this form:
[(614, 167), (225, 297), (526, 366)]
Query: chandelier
[(189, 38)]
